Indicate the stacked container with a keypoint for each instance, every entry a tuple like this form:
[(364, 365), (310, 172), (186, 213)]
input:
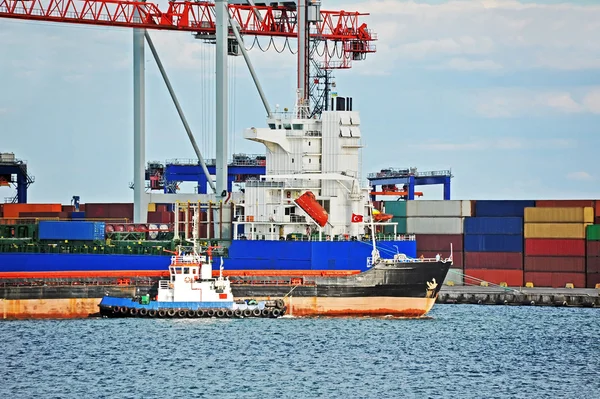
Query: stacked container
[(593, 256), (494, 242), (438, 226), (398, 210), (555, 248)]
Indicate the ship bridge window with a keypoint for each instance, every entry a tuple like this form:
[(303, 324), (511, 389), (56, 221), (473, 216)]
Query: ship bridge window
[(186, 270), (287, 126), (193, 271), (272, 126), (298, 126), (178, 270)]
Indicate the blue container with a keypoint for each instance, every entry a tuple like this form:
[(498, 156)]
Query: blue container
[(80, 231), (494, 225), (501, 208), (77, 215), (493, 243)]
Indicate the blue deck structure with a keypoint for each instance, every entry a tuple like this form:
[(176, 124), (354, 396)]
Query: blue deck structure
[(410, 178), (9, 167), (167, 177)]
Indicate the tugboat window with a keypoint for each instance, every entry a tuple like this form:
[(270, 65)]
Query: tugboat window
[(193, 271), (186, 270)]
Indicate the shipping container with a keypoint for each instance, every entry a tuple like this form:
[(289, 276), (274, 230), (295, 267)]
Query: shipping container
[(592, 248), (68, 208), (559, 215), (592, 279), (396, 208), (555, 230), (564, 203), (554, 247), (494, 260), (67, 230), (400, 227), (597, 220), (513, 278), (499, 208), (593, 232), (34, 215), (160, 217), (13, 210), (555, 280), (592, 264), (439, 242), (438, 208), (77, 215), (493, 243), (559, 264), (457, 257), (454, 275), (434, 225), (494, 225)]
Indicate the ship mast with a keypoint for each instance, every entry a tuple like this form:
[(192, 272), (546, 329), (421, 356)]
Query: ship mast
[(375, 251)]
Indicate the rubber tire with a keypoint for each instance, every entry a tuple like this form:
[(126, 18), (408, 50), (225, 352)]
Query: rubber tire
[(171, 312), (247, 313), (124, 310), (190, 313), (143, 312), (162, 313), (133, 312), (152, 313), (220, 313), (237, 313), (199, 313), (210, 312), (279, 304), (256, 312), (229, 313), (266, 312), (181, 313), (276, 313)]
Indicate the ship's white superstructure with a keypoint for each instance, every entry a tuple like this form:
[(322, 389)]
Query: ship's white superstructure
[(321, 155)]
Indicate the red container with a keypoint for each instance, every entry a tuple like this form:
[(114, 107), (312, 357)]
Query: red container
[(593, 248), (29, 215), (558, 264), (514, 278), (592, 279), (439, 242), (68, 208), (160, 217), (494, 260), (161, 208), (109, 211), (592, 265), (457, 257), (564, 203), (597, 219), (554, 247), (555, 280), (96, 211)]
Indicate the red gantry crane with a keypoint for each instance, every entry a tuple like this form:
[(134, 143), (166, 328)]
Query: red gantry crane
[(326, 40)]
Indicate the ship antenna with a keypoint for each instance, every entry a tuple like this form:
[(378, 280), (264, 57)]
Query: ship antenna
[(375, 252)]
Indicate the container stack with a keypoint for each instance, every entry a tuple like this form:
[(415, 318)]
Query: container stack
[(33, 211), (592, 256), (494, 242), (555, 247), (398, 210), (438, 225)]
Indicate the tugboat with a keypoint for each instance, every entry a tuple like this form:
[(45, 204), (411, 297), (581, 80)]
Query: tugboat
[(191, 292)]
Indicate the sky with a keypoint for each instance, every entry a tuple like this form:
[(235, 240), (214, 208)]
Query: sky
[(504, 93)]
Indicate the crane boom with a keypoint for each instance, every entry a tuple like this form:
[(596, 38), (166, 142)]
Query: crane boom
[(191, 16)]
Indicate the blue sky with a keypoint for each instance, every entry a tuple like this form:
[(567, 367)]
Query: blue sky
[(505, 93)]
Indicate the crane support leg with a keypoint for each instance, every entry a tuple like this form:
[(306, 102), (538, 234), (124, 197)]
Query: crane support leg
[(221, 25), (179, 110), (140, 208)]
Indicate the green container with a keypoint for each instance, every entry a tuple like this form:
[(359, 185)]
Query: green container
[(400, 228), (593, 232), (396, 208)]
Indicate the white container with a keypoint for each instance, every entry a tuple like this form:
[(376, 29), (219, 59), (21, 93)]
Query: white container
[(7, 157), (434, 225), (456, 276), (439, 208)]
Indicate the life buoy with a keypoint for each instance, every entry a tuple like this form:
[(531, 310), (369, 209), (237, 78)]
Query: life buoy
[(170, 285), (187, 280)]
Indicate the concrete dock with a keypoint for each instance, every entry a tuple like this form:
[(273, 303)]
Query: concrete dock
[(572, 297)]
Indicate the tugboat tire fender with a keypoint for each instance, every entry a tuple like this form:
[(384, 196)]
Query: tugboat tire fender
[(210, 312), (220, 313), (279, 304), (247, 313), (162, 313), (191, 313), (266, 312), (276, 313), (124, 310), (116, 309), (133, 311), (152, 313), (256, 312), (181, 313), (229, 313), (171, 312), (238, 313), (199, 313), (143, 312)]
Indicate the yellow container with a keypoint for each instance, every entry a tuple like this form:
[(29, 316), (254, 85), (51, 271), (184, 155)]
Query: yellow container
[(555, 230), (152, 207), (559, 215)]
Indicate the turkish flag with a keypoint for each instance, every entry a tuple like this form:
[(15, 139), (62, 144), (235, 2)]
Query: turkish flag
[(356, 218)]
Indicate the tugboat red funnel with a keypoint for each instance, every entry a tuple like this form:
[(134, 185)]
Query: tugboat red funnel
[(310, 205)]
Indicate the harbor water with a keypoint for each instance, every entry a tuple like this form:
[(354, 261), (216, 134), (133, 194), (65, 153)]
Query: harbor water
[(465, 351)]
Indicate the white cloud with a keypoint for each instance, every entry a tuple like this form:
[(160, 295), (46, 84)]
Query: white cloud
[(506, 143), (580, 176), (510, 34), (516, 102)]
